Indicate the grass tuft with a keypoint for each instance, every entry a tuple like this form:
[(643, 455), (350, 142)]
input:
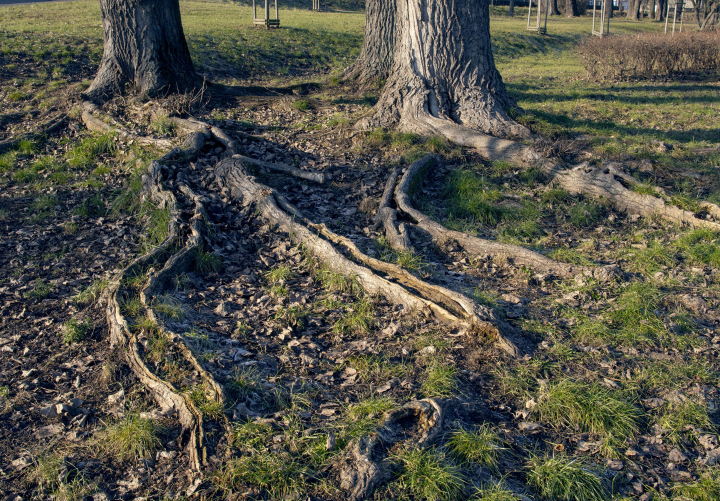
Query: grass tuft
[(440, 381), (590, 409), (565, 479), (132, 437), (428, 475), (481, 446), (74, 331)]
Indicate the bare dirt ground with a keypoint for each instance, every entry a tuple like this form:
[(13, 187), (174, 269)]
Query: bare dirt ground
[(298, 351)]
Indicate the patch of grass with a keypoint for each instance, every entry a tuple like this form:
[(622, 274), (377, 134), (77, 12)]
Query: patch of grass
[(440, 381), (132, 437), (168, 307), (481, 446), (244, 382), (358, 319), (375, 369), (163, 126), (293, 316), (700, 247), (565, 479), (85, 153), (93, 206), (74, 331), (683, 420), (158, 345), (157, 220), (651, 259), (207, 262), (47, 472), (16, 95), (302, 105), (8, 161), (486, 298), (334, 281), (277, 473), (495, 492), (571, 256), (583, 214), (279, 274), (131, 307), (209, 408), (470, 198), (590, 409), (251, 436), (428, 475), (40, 291), (707, 488)]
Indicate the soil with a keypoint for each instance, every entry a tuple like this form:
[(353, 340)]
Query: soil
[(283, 335)]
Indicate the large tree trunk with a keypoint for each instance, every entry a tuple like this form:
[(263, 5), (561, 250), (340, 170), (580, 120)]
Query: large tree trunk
[(376, 58), (633, 10), (609, 8), (511, 8), (570, 8), (554, 8), (144, 47), (443, 72)]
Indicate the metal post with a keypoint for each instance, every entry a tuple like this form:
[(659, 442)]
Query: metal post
[(666, 16), (547, 8), (254, 12), (277, 14), (529, 11), (594, 7), (607, 31)]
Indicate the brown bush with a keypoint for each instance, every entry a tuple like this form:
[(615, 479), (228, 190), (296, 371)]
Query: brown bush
[(647, 55)]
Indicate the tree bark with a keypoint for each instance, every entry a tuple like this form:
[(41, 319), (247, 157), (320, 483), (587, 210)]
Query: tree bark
[(376, 57), (554, 8), (511, 8), (443, 72), (609, 8), (570, 8), (144, 46), (633, 10)]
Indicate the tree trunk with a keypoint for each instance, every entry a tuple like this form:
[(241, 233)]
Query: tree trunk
[(608, 8), (511, 8), (662, 6), (633, 10), (570, 8), (376, 58), (443, 72), (652, 9), (554, 8), (145, 47)]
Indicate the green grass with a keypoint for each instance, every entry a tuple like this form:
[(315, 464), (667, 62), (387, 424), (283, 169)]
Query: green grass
[(590, 408), (481, 446), (277, 473), (163, 126), (209, 408), (74, 331), (157, 221), (131, 438), (707, 488), (334, 281), (471, 198), (440, 381), (207, 262), (429, 475), (681, 419), (358, 319), (168, 307), (563, 478), (279, 274), (41, 290), (494, 492)]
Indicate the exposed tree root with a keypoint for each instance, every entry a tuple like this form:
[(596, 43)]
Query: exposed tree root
[(95, 124), (397, 235), (167, 396), (446, 305), (366, 464), (478, 246), (609, 183)]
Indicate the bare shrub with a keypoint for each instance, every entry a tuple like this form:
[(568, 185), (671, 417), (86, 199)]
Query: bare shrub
[(647, 55)]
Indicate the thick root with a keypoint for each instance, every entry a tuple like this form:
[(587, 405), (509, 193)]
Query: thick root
[(445, 304), (610, 184), (95, 124), (167, 396), (386, 217), (366, 465), (478, 246)]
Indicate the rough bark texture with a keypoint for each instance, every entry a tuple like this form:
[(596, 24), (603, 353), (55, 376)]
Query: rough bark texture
[(554, 8), (608, 8), (376, 58), (633, 10), (144, 47), (443, 72), (570, 8), (511, 8), (609, 183)]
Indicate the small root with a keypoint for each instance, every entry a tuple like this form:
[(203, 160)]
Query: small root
[(95, 124)]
